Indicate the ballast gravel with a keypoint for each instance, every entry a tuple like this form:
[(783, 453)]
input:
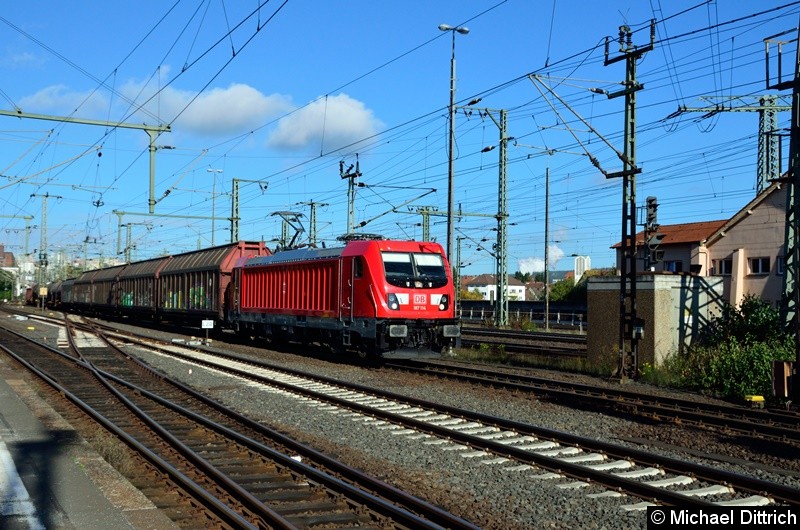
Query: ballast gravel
[(490, 495)]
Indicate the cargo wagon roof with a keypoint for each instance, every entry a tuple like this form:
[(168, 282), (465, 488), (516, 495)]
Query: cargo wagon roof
[(108, 273), (144, 268), (221, 257)]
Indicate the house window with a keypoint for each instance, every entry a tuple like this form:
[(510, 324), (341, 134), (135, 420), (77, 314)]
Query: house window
[(723, 267), (781, 265), (673, 266), (759, 266)]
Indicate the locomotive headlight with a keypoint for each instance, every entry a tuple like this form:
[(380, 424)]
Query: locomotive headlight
[(394, 303), (444, 302)]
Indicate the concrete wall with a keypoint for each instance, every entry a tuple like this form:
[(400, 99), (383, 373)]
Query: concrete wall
[(675, 308)]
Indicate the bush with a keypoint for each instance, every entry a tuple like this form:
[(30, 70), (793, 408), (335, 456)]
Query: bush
[(732, 368), (752, 321), (735, 355)]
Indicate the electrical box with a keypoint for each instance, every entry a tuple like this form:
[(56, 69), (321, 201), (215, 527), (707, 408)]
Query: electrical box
[(782, 378)]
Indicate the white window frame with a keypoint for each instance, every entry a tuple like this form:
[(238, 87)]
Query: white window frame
[(723, 267), (758, 266)]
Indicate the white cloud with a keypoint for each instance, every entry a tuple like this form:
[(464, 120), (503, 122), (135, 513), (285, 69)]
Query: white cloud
[(238, 108), (21, 60), (330, 123), (554, 255), (220, 111), (57, 98), (535, 265), (531, 265), (333, 122)]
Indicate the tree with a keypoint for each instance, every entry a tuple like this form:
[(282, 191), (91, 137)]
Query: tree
[(561, 291), (6, 285), (466, 294), (524, 277)]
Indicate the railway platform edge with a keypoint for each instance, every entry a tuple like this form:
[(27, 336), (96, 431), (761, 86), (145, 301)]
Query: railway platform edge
[(50, 478)]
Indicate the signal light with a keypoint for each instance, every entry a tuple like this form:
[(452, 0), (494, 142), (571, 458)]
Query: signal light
[(652, 211), (655, 240)]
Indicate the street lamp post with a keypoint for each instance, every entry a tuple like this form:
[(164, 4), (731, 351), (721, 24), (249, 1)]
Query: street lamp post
[(452, 140), (213, 202)]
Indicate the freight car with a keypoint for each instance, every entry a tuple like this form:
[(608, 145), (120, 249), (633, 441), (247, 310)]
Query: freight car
[(376, 297), (187, 287)]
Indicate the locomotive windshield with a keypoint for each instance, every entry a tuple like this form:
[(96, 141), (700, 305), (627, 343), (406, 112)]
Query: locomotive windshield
[(418, 270)]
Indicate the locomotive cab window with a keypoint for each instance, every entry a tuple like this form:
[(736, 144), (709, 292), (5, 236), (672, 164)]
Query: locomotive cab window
[(414, 269)]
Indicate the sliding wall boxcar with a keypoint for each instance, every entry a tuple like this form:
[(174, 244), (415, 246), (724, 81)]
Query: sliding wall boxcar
[(82, 290), (105, 288), (137, 286), (193, 285)]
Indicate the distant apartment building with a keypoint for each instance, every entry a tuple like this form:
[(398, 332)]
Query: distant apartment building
[(486, 285), (7, 258)]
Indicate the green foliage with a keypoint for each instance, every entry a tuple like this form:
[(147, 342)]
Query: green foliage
[(560, 291), (735, 356), (752, 320), (521, 323), (524, 277), (567, 291), (6, 285), (731, 368), (466, 294)]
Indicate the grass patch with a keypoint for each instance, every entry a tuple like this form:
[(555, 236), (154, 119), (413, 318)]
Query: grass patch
[(112, 450)]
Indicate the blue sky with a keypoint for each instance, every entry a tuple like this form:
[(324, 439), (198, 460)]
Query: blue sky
[(282, 92)]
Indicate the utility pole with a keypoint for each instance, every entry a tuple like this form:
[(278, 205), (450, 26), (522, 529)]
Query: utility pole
[(547, 249), (501, 246), (351, 177), (42, 277), (312, 221), (791, 289), (501, 315), (457, 268), (451, 145), (235, 204), (214, 172), (631, 328), (128, 243), (769, 159), (28, 219)]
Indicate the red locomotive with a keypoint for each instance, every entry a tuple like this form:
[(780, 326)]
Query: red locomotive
[(373, 296)]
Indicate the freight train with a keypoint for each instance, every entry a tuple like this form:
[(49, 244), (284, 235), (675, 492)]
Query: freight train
[(372, 297)]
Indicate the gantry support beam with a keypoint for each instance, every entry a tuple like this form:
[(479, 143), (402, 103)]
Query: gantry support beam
[(153, 131)]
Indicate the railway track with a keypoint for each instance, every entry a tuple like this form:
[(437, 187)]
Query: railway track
[(572, 461), (526, 343), (775, 425), (564, 338), (217, 459)]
